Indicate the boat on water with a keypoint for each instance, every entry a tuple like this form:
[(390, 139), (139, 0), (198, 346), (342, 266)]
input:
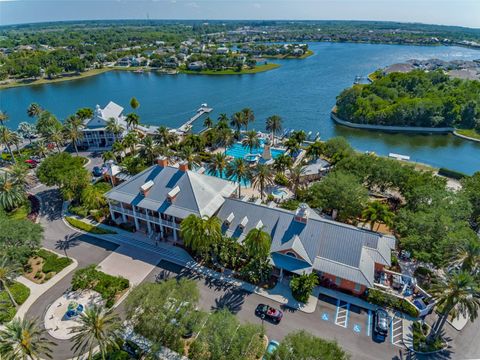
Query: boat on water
[(399, 156)]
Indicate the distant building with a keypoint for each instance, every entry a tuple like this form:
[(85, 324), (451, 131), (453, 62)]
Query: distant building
[(222, 50), (196, 65)]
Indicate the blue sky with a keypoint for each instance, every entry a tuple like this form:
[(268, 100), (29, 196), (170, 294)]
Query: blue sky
[(449, 12)]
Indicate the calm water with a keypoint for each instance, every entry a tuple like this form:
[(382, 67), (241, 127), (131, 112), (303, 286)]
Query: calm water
[(301, 91)]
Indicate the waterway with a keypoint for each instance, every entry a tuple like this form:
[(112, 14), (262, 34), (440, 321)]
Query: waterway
[(302, 92)]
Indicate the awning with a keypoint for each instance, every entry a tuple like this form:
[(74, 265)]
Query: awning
[(290, 263)]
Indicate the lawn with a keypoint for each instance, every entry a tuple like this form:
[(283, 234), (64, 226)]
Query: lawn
[(256, 69), (471, 133), (44, 265), (79, 224), (20, 213), (20, 293)]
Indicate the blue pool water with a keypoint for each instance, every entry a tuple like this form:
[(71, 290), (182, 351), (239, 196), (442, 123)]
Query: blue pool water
[(245, 183), (237, 150)]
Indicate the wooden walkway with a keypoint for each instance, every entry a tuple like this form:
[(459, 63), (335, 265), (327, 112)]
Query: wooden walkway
[(188, 125)]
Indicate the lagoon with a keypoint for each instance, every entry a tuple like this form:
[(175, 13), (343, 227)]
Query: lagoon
[(302, 92)]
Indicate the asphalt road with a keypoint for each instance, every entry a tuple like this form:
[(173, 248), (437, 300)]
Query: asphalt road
[(88, 250)]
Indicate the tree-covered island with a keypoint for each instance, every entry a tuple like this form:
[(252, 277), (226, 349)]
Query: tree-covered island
[(414, 99)]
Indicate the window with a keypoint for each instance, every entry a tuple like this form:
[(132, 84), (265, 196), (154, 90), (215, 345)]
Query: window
[(338, 281), (358, 287), (290, 253)]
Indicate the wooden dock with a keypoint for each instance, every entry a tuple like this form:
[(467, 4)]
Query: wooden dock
[(201, 111)]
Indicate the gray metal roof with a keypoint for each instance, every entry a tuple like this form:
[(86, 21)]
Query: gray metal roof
[(339, 249), (199, 194)]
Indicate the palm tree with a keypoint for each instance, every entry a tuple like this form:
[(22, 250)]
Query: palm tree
[(108, 155), (377, 212), (282, 162), (295, 177), (225, 138), (18, 175), (299, 135), (34, 110), (164, 137), (292, 145), (257, 243), (16, 140), (208, 123), (187, 154), (217, 164), (133, 120), (40, 148), (93, 198), (24, 340), (314, 150), (251, 140), (262, 177), (11, 195), (222, 121), (238, 171), (458, 293), (201, 234), (3, 117), (149, 150), (248, 117), (114, 127), (134, 104), (8, 272), (56, 136), (7, 138), (98, 327), (131, 141), (237, 120), (467, 256), (73, 130), (274, 125), (118, 148)]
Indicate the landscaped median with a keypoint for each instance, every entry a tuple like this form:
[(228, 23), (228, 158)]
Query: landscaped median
[(81, 225), (45, 264)]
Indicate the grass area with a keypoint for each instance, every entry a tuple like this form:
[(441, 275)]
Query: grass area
[(20, 293), (20, 213), (288, 57), (108, 286), (471, 133), (256, 69), (79, 224), (44, 265)]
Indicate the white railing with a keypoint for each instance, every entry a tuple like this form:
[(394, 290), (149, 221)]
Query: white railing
[(142, 216)]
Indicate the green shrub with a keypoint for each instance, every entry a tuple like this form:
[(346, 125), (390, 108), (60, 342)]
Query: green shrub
[(281, 179), (290, 204), (48, 276), (87, 227), (20, 293), (270, 197), (107, 286), (422, 271), (78, 210), (451, 174), (302, 286), (387, 300), (53, 262)]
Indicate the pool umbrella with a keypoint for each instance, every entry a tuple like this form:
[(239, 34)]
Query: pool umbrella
[(267, 154)]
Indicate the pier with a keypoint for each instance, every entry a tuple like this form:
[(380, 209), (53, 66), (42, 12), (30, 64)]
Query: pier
[(204, 109)]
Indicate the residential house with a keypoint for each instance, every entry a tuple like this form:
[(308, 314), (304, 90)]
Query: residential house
[(196, 65)]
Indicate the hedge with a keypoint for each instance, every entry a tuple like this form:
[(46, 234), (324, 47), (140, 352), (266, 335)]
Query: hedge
[(107, 286), (451, 174), (387, 300), (20, 293), (87, 227), (53, 262)]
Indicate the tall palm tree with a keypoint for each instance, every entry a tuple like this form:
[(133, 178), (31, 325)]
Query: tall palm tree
[(131, 141), (225, 138), (458, 293), (262, 177), (3, 117), (292, 145), (40, 148), (114, 127), (282, 162), (201, 234), (24, 340), (295, 177), (274, 125), (222, 121), (134, 104), (93, 198), (11, 195), (73, 130), (238, 171), (377, 212), (315, 150), (16, 140), (251, 140), (149, 150), (187, 154), (248, 117), (217, 165), (208, 122), (467, 256), (56, 136), (8, 272), (257, 243), (118, 149), (164, 137), (108, 155), (133, 120), (98, 327), (18, 174), (34, 110), (7, 139), (237, 120)]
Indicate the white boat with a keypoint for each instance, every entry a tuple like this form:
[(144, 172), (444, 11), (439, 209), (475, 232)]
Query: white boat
[(399, 156)]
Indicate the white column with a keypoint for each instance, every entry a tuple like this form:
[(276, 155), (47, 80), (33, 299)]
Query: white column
[(135, 218), (149, 227), (111, 211), (161, 224), (124, 218)]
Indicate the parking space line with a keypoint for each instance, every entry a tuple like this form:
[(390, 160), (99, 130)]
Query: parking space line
[(369, 322), (396, 330), (343, 310)]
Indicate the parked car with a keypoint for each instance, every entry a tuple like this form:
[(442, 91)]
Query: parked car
[(381, 324), (97, 171), (269, 313), (272, 346), (31, 163)]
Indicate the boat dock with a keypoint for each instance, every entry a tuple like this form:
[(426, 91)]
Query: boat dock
[(204, 109)]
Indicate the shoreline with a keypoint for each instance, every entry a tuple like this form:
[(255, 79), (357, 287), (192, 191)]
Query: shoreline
[(289, 57), (255, 70)]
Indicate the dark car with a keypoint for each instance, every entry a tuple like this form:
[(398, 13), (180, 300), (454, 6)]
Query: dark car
[(381, 323), (97, 171), (269, 313)]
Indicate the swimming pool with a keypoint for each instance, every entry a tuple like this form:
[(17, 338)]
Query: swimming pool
[(245, 183), (237, 150)]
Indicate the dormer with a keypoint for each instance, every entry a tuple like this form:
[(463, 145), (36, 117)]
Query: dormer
[(145, 188), (229, 219), (259, 225), (243, 223), (172, 194), (301, 214)]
